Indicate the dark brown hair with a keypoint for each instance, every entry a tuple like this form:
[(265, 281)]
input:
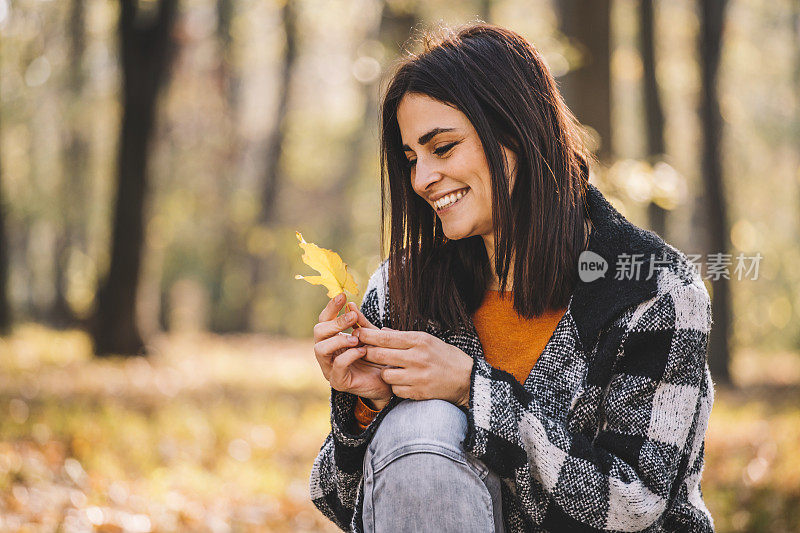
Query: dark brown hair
[(503, 86)]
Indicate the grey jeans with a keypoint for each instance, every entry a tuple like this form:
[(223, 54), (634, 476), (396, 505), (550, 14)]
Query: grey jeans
[(418, 478)]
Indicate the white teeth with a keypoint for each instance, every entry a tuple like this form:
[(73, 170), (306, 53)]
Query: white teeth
[(446, 201)]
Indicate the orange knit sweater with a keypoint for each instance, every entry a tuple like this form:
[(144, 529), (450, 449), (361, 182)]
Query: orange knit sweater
[(510, 342)]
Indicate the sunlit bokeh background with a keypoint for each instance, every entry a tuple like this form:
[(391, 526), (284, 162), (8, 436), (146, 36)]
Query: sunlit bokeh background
[(157, 369)]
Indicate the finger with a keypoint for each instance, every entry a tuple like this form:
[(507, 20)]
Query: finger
[(332, 309), (324, 330), (394, 376), (340, 365), (403, 391), (387, 356), (325, 348), (389, 338), (361, 321)]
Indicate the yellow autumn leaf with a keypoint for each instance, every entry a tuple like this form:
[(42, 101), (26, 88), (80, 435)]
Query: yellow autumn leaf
[(333, 271)]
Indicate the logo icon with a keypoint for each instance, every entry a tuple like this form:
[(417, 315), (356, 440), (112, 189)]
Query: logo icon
[(591, 266)]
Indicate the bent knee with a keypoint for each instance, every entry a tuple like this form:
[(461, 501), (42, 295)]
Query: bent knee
[(420, 421)]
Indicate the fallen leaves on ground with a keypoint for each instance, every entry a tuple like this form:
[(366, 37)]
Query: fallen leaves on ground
[(218, 433)]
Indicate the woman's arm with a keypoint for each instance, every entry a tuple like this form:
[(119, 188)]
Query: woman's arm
[(652, 421)]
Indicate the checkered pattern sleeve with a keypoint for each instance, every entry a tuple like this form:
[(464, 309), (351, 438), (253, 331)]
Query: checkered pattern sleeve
[(336, 475), (645, 455)]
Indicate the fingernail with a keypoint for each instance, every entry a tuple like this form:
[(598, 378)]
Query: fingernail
[(339, 297), (351, 315)]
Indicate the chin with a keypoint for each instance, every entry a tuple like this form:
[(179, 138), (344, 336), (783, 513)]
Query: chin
[(455, 234)]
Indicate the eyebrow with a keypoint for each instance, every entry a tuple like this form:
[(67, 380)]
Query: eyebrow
[(428, 136)]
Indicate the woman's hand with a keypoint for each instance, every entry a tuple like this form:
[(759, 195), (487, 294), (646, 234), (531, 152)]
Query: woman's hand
[(339, 354), (426, 367)]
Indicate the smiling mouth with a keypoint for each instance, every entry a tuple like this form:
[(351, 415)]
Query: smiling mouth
[(449, 206)]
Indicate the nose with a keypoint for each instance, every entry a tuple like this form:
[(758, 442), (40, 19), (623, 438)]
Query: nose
[(424, 176)]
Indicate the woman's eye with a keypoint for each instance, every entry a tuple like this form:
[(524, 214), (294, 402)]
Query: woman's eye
[(439, 151), (444, 149)]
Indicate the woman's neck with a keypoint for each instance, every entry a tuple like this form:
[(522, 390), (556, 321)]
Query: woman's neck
[(494, 285)]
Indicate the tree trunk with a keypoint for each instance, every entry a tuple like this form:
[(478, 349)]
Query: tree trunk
[(228, 78), (231, 246), (654, 116), (261, 268), (710, 39), (146, 49), (269, 191), (5, 308), (795, 20), (587, 88)]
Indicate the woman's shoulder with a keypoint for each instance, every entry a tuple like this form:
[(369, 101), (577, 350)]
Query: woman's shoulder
[(680, 281)]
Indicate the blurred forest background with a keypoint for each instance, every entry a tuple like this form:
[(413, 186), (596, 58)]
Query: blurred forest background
[(157, 157)]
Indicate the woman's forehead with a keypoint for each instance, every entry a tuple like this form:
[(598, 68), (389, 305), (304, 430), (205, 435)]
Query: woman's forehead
[(420, 114)]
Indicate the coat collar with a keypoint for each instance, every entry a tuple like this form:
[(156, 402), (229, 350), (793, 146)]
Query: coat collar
[(594, 304)]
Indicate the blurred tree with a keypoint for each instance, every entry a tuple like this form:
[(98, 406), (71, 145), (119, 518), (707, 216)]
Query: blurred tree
[(146, 50), (654, 115), (712, 16), (269, 191), (71, 233), (228, 78), (5, 310), (587, 86), (795, 21), (228, 82), (261, 266)]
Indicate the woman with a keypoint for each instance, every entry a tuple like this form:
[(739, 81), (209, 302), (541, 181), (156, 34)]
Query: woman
[(544, 365)]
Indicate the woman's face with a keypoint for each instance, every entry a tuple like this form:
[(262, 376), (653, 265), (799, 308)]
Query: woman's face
[(445, 155)]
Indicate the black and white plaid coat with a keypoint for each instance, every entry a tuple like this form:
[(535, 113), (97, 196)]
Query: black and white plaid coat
[(607, 432)]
